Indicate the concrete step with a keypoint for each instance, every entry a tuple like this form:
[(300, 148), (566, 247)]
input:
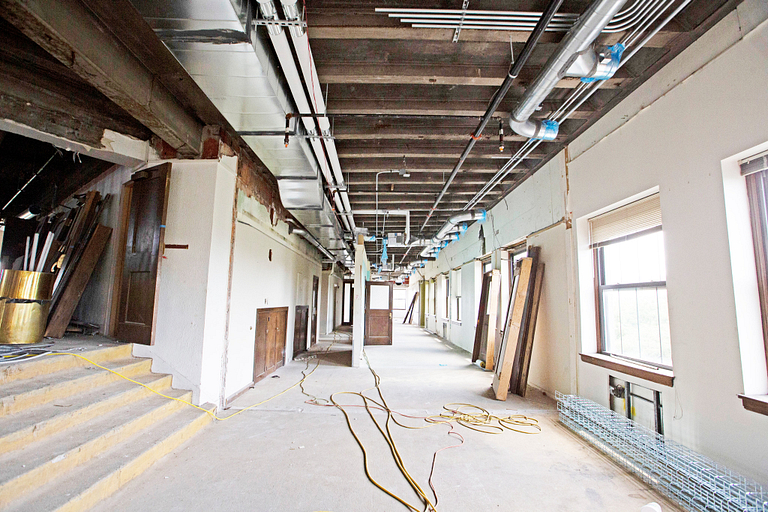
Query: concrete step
[(41, 389), (51, 364), (85, 486), (35, 424), (24, 470)]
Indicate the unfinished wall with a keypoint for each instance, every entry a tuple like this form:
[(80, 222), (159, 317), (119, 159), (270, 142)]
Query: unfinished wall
[(677, 143), (94, 306), (257, 283)]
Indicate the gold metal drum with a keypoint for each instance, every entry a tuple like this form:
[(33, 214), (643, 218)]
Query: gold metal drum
[(25, 299)]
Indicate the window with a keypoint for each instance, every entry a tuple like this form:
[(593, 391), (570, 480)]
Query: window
[(456, 280), (433, 298), (516, 253), (755, 171), (487, 265), (630, 282), (447, 292)]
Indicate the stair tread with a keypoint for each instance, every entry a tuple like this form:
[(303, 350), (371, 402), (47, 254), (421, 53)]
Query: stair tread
[(18, 462), (105, 351), (45, 412), (59, 491), (39, 382)]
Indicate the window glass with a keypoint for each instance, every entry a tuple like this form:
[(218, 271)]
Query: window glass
[(633, 299)]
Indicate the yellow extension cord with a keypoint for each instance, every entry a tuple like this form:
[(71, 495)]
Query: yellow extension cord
[(480, 421)]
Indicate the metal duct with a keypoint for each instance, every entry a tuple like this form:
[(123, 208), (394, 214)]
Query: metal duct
[(446, 234), (309, 238), (576, 42), (252, 90)]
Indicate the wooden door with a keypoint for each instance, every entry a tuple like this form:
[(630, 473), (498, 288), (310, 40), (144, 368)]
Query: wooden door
[(300, 330), (315, 294), (260, 347), (141, 261), (378, 313), (269, 345)]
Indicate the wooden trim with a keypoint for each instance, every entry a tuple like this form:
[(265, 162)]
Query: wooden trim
[(177, 246), (659, 376), (237, 394), (755, 403), (165, 167), (122, 234)]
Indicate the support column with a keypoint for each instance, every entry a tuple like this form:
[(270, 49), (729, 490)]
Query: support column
[(362, 274)]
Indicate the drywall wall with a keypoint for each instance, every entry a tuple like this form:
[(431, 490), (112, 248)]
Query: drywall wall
[(191, 304), (261, 282), (94, 306), (676, 144)]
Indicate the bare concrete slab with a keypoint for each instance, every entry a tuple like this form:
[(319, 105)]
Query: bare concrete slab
[(293, 456)]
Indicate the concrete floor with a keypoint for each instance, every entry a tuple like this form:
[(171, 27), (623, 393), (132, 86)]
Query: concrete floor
[(287, 455)]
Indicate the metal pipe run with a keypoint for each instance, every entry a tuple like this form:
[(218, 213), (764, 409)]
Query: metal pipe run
[(545, 19), (652, 11), (309, 238)]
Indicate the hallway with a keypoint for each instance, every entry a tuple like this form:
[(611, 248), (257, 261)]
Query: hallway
[(289, 455)]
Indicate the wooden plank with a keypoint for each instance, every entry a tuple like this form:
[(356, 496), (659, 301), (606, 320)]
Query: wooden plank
[(533, 253), (122, 233), (522, 384), (76, 286), (484, 289), (493, 328), (503, 370)]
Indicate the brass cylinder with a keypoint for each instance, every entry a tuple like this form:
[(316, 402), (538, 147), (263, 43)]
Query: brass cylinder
[(23, 322), (27, 285), (25, 299)]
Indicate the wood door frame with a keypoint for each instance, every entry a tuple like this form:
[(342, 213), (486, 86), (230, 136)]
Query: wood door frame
[(351, 300), (314, 307), (126, 197), (368, 284)]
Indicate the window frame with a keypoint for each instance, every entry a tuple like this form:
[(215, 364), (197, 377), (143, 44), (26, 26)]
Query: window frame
[(598, 256), (757, 182)]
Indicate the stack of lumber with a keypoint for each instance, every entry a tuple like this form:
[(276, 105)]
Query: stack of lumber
[(513, 358), (68, 244)]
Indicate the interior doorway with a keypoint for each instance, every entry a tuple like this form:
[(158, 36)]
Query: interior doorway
[(347, 302), (378, 313), (315, 296), (300, 330)]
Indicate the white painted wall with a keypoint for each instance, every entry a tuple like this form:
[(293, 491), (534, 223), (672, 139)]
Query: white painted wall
[(677, 143), (258, 283), (329, 282), (191, 303), (676, 133)]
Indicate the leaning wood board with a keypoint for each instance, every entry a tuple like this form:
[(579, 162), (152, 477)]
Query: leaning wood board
[(75, 287), (493, 331), (503, 371), (477, 346), (521, 383)]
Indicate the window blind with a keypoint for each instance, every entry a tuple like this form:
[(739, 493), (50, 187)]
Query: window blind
[(640, 216), (754, 164)]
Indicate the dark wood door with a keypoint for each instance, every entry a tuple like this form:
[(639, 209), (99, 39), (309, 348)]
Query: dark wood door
[(300, 330), (269, 346), (378, 313), (143, 246), (315, 295)]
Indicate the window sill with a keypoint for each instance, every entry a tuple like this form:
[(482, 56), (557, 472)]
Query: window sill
[(659, 376), (755, 403), (456, 322)]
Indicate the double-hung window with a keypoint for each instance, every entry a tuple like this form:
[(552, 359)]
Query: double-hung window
[(630, 283), (456, 282)]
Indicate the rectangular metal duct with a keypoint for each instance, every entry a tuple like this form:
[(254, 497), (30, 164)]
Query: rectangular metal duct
[(239, 72)]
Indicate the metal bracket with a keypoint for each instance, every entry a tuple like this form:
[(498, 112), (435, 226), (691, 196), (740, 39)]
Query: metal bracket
[(464, 6), (280, 23)]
